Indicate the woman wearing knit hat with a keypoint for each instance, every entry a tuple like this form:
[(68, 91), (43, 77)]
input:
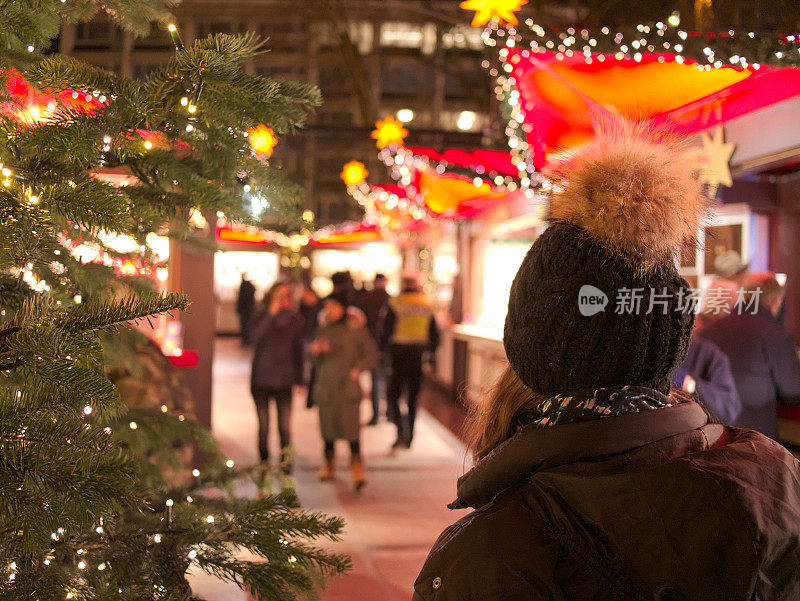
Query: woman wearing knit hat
[(342, 348), (594, 480)]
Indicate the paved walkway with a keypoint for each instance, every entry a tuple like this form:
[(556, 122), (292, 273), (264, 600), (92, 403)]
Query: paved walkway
[(391, 524)]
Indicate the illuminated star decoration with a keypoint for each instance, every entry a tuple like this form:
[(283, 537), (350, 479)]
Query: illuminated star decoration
[(713, 159), (389, 132), (262, 139), (354, 173), (493, 10)]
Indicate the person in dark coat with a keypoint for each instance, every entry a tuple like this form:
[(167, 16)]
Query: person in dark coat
[(245, 305), (762, 352), (372, 304), (277, 366), (309, 308), (706, 372), (594, 479)]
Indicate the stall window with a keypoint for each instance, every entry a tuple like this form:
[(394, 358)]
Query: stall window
[(501, 263)]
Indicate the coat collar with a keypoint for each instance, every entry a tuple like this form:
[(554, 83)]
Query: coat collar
[(533, 449)]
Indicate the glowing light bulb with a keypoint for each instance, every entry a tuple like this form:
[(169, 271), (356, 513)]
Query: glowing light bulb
[(133, 425)]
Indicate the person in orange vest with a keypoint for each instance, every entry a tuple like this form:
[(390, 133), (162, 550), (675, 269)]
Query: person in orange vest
[(409, 329)]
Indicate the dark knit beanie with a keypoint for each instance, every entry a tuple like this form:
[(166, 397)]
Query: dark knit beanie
[(598, 300)]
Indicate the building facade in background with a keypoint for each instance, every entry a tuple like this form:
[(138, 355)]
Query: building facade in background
[(416, 59)]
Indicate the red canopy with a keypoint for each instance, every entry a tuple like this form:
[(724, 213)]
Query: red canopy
[(560, 96), (481, 161)]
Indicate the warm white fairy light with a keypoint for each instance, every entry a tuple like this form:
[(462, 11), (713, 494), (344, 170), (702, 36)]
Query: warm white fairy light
[(195, 472), (133, 425), (210, 519), (157, 538), (229, 463)]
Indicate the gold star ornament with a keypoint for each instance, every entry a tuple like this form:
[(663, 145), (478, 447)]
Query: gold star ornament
[(712, 160), (354, 173), (262, 139), (493, 10), (389, 132)]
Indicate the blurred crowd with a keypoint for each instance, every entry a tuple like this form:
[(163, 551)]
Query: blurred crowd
[(326, 344), (742, 361)]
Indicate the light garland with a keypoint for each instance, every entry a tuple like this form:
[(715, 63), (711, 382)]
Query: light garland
[(741, 50)]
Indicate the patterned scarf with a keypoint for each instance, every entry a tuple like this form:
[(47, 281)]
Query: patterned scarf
[(593, 403)]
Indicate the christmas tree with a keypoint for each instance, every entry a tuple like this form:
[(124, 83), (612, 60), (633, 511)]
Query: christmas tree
[(89, 507)]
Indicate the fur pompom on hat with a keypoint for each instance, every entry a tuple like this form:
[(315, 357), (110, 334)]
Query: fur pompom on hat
[(632, 191), (598, 300)]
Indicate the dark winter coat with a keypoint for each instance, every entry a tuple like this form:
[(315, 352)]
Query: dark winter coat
[(246, 299), (656, 505), (711, 370), (765, 366), (372, 303), (279, 350)]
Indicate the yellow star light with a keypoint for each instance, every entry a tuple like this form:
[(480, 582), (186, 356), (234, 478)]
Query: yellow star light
[(389, 132), (354, 173), (493, 10), (262, 139), (712, 160)]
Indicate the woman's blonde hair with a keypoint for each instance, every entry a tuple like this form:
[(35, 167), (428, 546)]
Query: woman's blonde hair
[(493, 418)]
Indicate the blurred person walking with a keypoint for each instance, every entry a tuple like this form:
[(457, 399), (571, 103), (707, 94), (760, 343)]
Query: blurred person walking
[(593, 478), (342, 349), (372, 304), (245, 305), (309, 308), (762, 353), (277, 366), (408, 330), (706, 372)]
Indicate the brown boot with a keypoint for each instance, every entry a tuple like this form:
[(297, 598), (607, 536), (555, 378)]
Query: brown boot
[(358, 474), (326, 473)]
